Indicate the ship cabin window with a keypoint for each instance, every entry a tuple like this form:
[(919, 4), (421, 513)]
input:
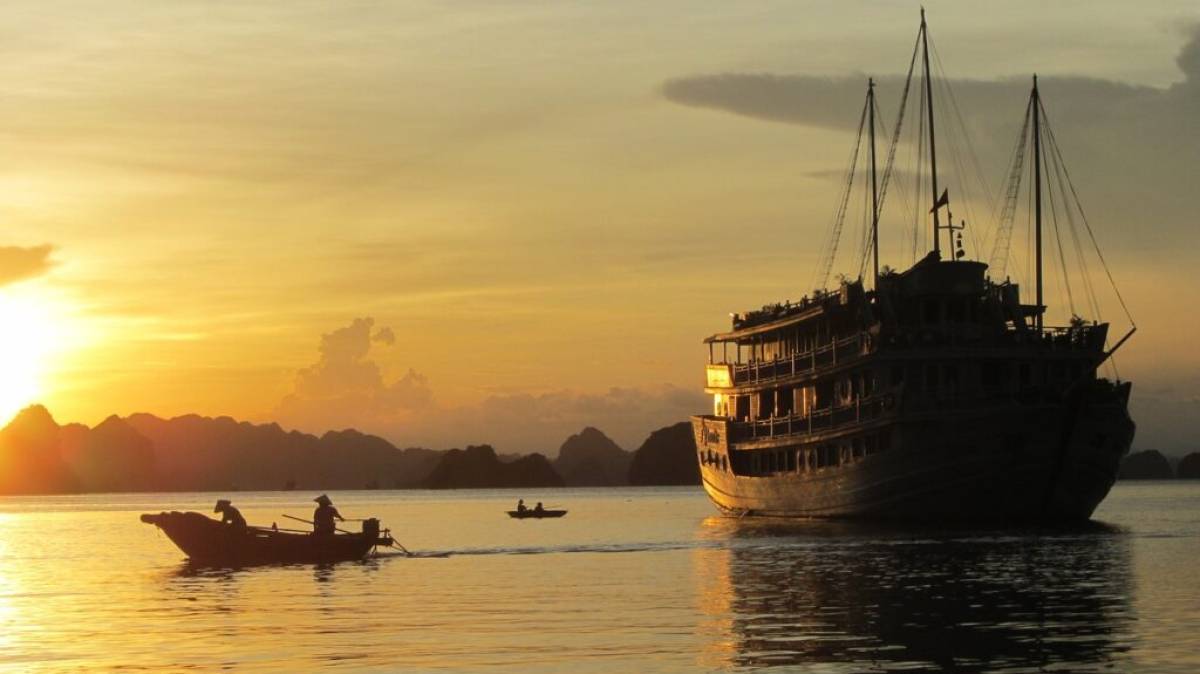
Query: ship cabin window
[(824, 391), (742, 407), (719, 407), (765, 403), (783, 402)]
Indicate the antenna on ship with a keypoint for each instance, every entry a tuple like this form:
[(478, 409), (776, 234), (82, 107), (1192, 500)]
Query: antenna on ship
[(874, 184), (938, 200), (1037, 199)]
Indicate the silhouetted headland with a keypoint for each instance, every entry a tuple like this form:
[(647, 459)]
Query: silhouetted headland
[(668, 456), (479, 467), (591, 459), (1189, 467), (1147, 465)]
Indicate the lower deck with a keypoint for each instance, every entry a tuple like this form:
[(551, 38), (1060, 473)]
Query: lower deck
[(999, 462)]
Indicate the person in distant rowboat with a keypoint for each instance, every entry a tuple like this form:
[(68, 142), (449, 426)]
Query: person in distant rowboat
[(230, 514), (521, 505), (324, 516), (538, 508)]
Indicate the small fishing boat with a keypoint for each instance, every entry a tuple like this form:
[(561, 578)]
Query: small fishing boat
[(208, 541), (535, 514)]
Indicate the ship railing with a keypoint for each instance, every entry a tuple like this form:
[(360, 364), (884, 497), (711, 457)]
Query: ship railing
[(836, 351), (862, 409)]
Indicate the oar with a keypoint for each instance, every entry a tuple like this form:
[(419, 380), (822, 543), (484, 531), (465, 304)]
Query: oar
[(313, 524), (396, 542)]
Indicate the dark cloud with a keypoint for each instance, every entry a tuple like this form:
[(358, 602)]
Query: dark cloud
[(1135, 148), (20, 264)]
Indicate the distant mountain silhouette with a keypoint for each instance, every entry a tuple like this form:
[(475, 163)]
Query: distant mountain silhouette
[(193, 453), (113, 456), (204, 453), (478, 467), (1189, 467), (667, 457), (1146, 465), (143, 452), (591, 459), (31, 461)]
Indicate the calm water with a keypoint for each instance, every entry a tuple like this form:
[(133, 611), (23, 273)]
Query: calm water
[(644, 580)]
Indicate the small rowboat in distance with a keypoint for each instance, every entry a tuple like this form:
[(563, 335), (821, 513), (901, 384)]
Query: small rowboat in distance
[(209, 542), (535, 514)]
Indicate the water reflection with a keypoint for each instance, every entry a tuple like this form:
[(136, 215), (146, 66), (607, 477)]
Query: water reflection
[(855, 598)]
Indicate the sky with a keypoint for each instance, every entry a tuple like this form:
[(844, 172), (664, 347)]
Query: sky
[(456, 223)]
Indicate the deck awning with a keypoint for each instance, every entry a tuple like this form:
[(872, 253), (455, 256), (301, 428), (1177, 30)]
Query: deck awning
[(770, 326)]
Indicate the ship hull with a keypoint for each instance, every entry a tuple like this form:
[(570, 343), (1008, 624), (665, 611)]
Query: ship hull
[(1050, 462)]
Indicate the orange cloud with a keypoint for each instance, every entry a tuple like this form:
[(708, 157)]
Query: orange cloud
[(20, 264)]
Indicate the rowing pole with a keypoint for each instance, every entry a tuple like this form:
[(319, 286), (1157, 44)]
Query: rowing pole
[(349, 532)]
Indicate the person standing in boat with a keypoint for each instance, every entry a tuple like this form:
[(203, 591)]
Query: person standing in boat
[(324, 516), (229, 514)]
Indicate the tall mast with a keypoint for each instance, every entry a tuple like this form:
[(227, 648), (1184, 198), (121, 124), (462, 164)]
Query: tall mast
[(874, 186), (937, 247), (1037, 200)]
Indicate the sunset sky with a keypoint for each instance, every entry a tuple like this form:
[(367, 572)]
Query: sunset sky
[(452, 223)]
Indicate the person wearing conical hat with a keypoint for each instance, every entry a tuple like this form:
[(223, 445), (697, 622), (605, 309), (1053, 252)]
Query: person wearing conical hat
[(324, 516), (230, 514)]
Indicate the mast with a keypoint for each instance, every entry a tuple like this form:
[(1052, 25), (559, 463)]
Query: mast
[(874, 185), (932, 145), (1037, 200)]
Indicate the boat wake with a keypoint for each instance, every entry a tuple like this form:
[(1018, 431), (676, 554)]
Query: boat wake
[(550, 550)]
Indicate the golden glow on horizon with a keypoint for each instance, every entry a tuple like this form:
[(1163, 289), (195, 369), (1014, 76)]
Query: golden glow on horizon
[(38, 330)]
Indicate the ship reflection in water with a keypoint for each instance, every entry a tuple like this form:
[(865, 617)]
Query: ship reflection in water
[(848, 597)]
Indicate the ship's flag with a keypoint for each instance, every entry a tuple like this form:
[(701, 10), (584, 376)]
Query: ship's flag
[(943, 200)]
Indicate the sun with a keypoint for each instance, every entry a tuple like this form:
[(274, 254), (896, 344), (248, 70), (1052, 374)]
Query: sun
[(34, 330)]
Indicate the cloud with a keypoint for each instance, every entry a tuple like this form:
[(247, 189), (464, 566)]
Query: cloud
[(1134, 147), (346, 388), (21, 264), (384, 336)]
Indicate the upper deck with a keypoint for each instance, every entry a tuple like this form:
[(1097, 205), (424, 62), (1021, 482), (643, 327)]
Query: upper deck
[(936, 310)]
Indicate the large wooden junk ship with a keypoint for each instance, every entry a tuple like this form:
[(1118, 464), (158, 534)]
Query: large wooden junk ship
[(936, 393)]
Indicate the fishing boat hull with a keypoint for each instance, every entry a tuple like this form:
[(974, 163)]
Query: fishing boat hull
[(531, 515), (1016, 463), (210, 542)]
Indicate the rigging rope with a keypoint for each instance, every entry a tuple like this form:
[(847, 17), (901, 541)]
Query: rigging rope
[(1062, 258), (1083, 215), (895, 138), (983, 184), (839, 218), (1004, 225)]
